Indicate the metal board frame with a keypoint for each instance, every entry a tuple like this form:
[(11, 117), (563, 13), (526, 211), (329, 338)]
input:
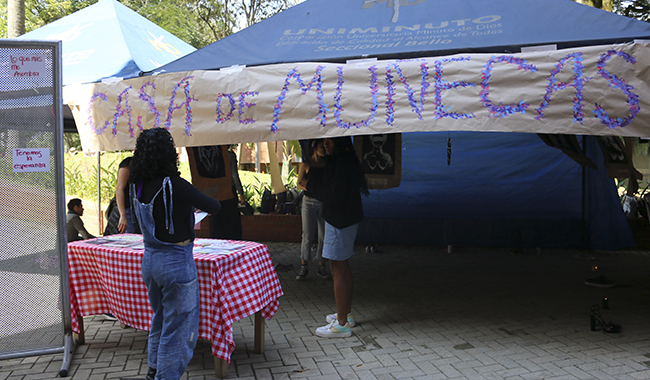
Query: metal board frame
[(23, 94)]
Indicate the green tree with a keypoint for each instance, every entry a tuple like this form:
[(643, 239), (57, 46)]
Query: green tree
[(600, 4), (255, 11), (638, 9), (197, 22), (42, 12)]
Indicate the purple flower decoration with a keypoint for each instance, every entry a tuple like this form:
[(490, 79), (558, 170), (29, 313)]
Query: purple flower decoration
[(152, 106), (97, 131), (294, 74), (616, 82), (185, 82), (243, 105), (119, 111), (410, 93), (508, 109), (441, 85), (390, 98), (338, 108), (220, 118), (579, 81)]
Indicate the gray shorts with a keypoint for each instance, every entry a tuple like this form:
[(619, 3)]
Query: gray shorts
[(339, 242)]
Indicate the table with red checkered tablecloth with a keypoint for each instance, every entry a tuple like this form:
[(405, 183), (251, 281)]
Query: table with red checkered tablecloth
[(235, 280)]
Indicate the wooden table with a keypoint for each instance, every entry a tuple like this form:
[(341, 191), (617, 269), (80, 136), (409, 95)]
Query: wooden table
[(236, 279)]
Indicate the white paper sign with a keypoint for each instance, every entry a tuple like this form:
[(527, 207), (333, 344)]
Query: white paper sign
[(31, 160), (198, 217), (28, 64)]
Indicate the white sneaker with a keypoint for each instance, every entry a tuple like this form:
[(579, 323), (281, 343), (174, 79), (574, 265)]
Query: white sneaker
[(333, 317), (334, 330)]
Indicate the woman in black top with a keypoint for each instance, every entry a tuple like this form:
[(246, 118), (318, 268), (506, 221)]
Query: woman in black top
[(340, 190), (164, 205)]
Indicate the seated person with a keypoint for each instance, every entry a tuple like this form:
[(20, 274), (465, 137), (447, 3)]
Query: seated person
[(74, 224)]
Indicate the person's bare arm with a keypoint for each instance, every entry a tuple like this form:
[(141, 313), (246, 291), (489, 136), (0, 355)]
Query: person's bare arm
[(122, 183), (302, 172)]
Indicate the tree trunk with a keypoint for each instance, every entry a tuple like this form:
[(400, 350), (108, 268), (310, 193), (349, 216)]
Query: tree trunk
[(608, 5), (15, 18), (601, 4)]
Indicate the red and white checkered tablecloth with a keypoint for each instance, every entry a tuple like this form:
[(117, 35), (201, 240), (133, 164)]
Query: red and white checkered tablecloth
[(108, 279)]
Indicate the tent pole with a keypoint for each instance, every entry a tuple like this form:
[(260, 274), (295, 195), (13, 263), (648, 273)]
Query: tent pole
[(99, 193), (583, 222)]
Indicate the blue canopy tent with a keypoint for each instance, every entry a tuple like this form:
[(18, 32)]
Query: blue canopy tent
[(340, 30), (499, 187), (109, 40)]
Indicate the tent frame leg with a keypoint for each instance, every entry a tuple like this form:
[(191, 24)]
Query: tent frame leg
[(68, 353)]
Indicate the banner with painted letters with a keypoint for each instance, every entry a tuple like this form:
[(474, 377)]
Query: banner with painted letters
[(597, 90)]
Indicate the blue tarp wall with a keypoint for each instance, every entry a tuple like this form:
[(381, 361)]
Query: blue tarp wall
[(501, 189)]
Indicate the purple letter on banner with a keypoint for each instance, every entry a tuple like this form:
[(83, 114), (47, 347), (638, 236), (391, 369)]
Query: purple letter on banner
[(338, 108), (90, 119), (410, 93), (616, 82), (185, 82), (502, 110), (243, 104), (231, 100), (579, 81), (152, 106), (440, 85), (119, 111), (294, 74)]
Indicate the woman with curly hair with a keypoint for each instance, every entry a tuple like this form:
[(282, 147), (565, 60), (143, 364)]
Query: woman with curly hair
[(340, 189), (164, 205)]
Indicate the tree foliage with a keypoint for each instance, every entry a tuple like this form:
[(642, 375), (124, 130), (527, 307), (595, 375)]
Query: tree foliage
[(638, 9), (600, 4), (41, 12), (255, 11), (197, 22)]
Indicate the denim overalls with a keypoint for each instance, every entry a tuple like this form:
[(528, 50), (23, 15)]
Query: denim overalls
[(169, 272)]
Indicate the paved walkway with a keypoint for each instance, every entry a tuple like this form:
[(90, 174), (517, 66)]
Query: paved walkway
[(422, 313)]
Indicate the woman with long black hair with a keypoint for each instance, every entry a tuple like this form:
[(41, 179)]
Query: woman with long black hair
[(340, 189), (164, 205)]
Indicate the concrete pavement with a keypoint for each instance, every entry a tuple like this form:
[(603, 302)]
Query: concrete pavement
[(422, 313)]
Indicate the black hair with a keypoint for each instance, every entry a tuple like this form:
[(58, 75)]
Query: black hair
[(155, 156), (74, 202)]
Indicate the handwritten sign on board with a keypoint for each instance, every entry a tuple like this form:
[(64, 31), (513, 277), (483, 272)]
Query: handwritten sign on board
[(31, 160), (27, 64)]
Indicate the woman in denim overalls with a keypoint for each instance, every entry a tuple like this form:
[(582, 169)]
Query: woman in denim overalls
[(164, 206)]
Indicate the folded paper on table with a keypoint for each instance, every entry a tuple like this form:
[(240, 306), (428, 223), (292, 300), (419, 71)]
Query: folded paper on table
[(216, 246), (198, 217)]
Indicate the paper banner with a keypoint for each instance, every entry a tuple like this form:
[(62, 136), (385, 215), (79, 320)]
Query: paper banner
[(595, 90)]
